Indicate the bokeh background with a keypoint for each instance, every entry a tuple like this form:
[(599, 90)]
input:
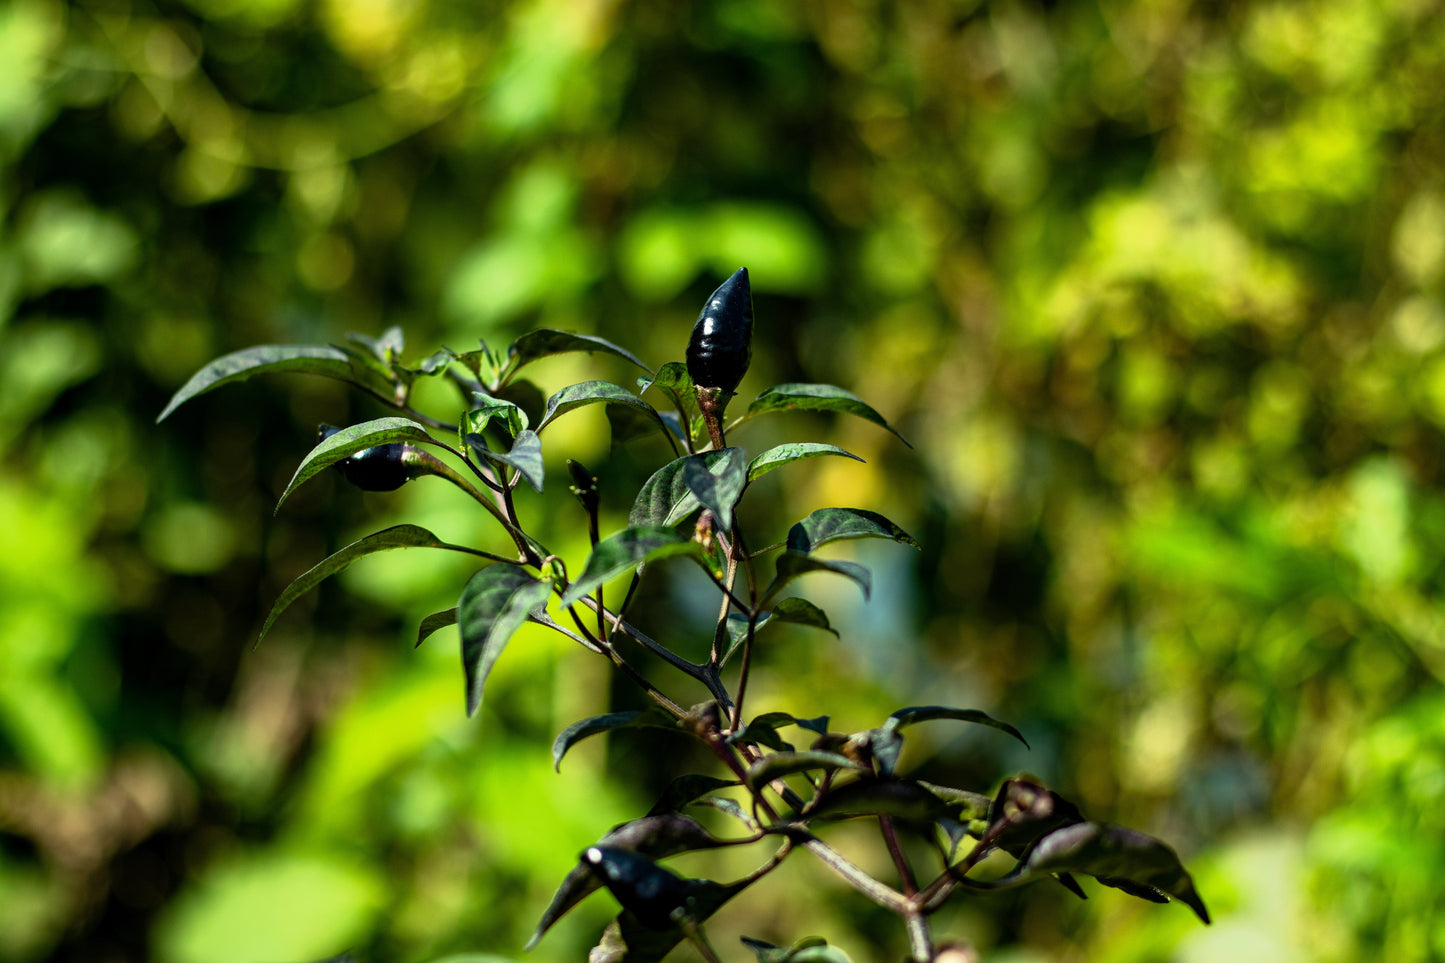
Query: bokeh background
[(1155, 288)]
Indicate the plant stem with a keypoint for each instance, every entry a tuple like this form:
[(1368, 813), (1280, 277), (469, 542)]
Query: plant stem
[(885, 896), (920, 941), (900, 859)]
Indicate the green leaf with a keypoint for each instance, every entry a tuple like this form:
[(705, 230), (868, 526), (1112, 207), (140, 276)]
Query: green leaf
[(780, 764), (763, 731), (792, 564), (592, 393), (649, 718), (802, 612), (810, 949), (684, 789), (717, 483), (487, 409), (673, 380), (494, 604), (525, 456), (669, 495), (916, 714), (399, 536), (1116, 856), (787, 454), (625, 550), (435, 621), (830, 524), (348, 441), (545, 342), (900, 798), (815, 397), (317, 359)]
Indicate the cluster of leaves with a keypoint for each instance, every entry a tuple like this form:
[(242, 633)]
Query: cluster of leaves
[(781, 792)]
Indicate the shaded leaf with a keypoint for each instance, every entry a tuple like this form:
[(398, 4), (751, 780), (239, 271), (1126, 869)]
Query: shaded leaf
[(780, 764), (816, 397), (348, 441), (399, 536), (763, 731), (625, 550), (684, 789), (1023, 810), (593, 393), (494, 604), (525, 456), (629, 423), (810, 949), (1125, 858), (317, 359), (666, 498), (648, 718), (830, 524), (717, 483), (672, 379), (900, 798), (654, 895), (787, 454), (435, 621), (802, 612), (792, 564), (916, 714), (546, 342)]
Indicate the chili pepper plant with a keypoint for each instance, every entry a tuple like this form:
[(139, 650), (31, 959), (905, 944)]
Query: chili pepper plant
[(782, 779)]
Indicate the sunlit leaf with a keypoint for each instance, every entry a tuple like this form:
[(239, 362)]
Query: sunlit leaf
[(787, 454), (487, 408), (625, 550), (349, 441), (525, 456), (495, 603), (684, 789), (830, 524), (668, 496), (717, 483), (816, 397), (321, 360), (545, 342), (399, 536), (593, 393)]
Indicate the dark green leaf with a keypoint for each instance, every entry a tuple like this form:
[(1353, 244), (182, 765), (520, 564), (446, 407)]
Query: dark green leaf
[(780, 764), (486, 409), (791, 565), (525, 456), (545, 342), (592, 393), (494, 604), (802, 612), (625, 550), (830, 524), (815, 397), (763, 731), (629, 423), (321, 360), (786, 454), (883, 745), (717, 483), (971, 805), (737, 630), (916, 714), (577, 731), (1117, 856), (810, 949), (349, 441), (435, 621), (399, 536), (668, 496), (900, 798), (684, 789), (628, 940)]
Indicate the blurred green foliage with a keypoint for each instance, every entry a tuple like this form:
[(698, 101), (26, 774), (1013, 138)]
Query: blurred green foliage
[(1156, 288)]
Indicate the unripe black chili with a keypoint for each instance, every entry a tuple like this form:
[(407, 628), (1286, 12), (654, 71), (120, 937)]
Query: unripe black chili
[(721, 346), (378, 469)]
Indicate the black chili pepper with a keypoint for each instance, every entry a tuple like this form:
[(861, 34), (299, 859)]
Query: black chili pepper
[(646, 890), (721, 346), (378, 469)]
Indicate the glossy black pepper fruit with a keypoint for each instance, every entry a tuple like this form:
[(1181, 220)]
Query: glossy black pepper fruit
[(721, 345), (645, 889), (378, 469)]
